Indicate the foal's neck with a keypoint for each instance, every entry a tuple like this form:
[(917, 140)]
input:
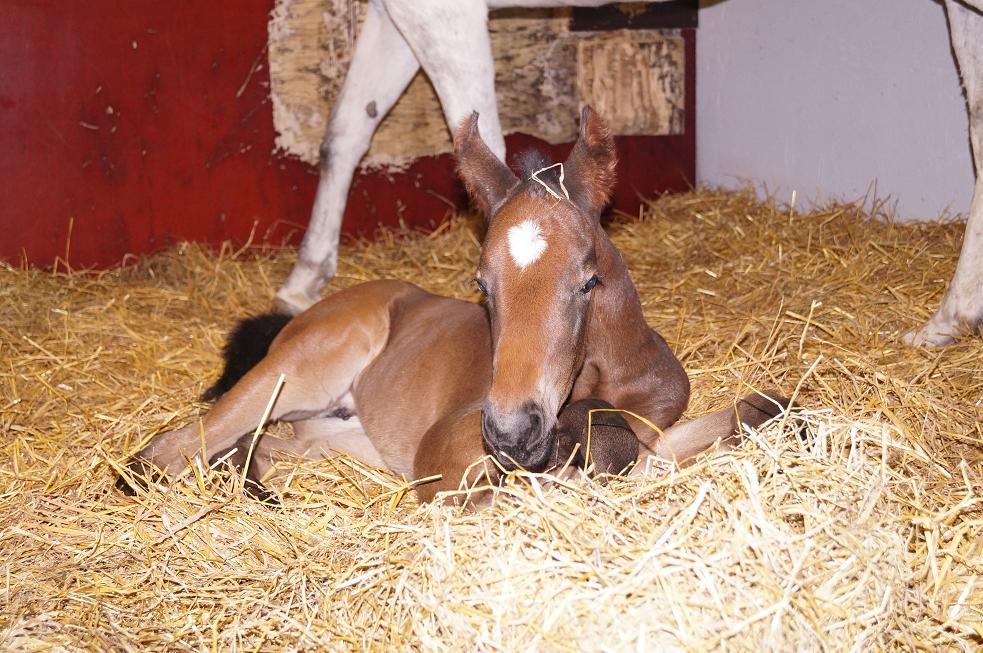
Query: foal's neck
[(622, 351), (617, 317)]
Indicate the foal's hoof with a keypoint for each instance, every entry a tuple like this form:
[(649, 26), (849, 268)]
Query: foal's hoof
[(124, 486), (251, 485), (612, 444), (259, 492), (757, 408), (139, 476)]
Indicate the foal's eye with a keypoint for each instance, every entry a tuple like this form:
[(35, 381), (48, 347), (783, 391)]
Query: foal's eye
[(593, 281), (480, 285)]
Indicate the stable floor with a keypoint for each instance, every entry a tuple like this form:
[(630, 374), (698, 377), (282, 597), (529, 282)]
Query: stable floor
[(865, 534)]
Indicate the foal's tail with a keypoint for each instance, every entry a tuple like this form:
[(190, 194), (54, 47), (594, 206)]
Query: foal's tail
[(247, 345), (688, 439)]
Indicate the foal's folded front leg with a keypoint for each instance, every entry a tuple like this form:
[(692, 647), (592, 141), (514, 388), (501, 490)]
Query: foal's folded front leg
[(452, 457)]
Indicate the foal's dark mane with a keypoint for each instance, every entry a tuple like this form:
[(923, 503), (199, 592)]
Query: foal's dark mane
[(531, 161)]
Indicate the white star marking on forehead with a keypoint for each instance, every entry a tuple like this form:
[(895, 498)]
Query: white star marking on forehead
[(526, 243)]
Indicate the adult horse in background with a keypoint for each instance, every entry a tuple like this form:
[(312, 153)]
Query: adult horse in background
[(449, 40), (426, 386)]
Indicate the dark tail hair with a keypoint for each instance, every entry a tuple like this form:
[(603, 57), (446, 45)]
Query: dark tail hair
[(246, 346)]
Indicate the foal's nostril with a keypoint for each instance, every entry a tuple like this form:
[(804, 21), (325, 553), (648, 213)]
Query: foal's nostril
[(516, 430), (517, 438), (488, 429), (535, 424)]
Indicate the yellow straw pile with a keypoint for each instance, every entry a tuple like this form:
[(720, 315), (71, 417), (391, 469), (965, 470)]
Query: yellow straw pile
[(865, 535)]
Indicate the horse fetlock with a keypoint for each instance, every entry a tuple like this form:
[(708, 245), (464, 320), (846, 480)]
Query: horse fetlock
[(959, 315), (303, 286), (292, 303)]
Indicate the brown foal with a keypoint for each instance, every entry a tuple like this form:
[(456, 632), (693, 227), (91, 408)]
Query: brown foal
[(429, 386)]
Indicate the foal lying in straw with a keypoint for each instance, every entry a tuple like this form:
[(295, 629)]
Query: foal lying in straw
[(455, 393)]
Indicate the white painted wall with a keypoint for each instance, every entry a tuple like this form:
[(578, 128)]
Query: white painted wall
[(827, 96)]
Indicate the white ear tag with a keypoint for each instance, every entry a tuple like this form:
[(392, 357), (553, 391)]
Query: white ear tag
[(535, 178)]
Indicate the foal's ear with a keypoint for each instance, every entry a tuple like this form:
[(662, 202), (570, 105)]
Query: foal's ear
[(590, 167), (487, 180)]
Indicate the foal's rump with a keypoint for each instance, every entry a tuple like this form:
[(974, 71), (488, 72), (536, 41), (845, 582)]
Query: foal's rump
[(320, 353), (247, 344), (252, 338)]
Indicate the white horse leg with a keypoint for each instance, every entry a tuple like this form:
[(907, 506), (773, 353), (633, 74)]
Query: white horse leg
[(381, 69), (450, 39), (962, 307)]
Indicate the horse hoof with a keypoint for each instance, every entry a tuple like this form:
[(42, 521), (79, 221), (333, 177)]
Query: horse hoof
[(929, 337), (124, 486), (613, 445)]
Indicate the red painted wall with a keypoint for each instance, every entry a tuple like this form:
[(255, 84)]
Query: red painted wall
[(127, 126)]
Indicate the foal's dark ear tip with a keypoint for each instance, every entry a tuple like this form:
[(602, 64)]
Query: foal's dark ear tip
[(589, 120), (467, 130), (593, 129)]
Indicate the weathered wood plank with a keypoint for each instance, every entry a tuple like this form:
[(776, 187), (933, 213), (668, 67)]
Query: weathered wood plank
[(544, 73)]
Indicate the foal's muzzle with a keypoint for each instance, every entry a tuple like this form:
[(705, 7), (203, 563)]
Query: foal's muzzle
[(518, 439)]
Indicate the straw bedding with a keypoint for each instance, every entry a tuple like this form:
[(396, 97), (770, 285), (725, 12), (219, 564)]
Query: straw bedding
[(864, 535)]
